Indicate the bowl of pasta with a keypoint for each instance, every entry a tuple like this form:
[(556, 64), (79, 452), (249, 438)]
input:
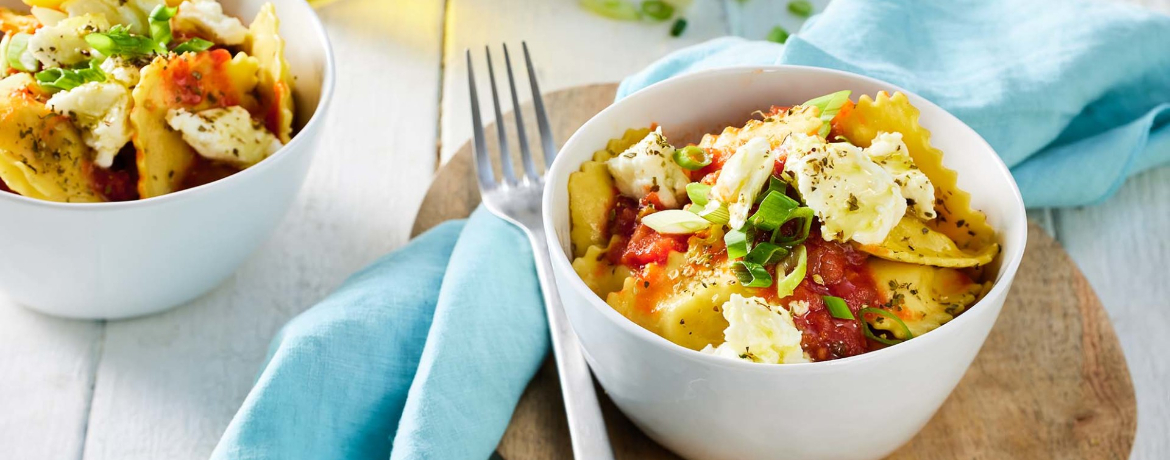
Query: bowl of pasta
[(147, 147), (781, 262)]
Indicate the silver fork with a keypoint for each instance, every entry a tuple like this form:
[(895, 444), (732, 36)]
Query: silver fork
[(517, 200)]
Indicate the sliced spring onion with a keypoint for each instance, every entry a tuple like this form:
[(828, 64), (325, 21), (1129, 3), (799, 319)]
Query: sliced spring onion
[(752, 274), (778, 34), (766, 254), (800, 8), (787, 285), (887, 314), (737, 243), (698, 192), (773, 212), (715, 212), (692, 158), (806, 217), (193, 45), (679, 26), (675, 222), (58, 79), (160, 23), (621, 10), (829, 105), (657, 10), (18, 56), (118, 41), (837, 307)]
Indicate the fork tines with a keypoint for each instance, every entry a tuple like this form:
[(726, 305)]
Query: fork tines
[(483, 163)]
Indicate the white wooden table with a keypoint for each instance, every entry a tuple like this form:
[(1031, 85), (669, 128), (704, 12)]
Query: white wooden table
[(165, 386)]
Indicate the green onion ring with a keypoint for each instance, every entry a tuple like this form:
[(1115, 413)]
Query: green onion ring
[(692, 158), (887, 314)]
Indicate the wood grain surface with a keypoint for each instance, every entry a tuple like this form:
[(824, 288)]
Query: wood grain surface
[(1050, 382)]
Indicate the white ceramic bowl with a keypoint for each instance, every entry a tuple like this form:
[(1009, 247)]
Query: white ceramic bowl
[(115, 260), (707, 407)]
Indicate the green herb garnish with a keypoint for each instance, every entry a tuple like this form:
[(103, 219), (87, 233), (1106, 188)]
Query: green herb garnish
[(59, 79), (800, 8)]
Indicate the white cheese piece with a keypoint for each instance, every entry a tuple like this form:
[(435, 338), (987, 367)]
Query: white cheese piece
[(649, 166), (119, 71), (228, 135), (207, 17), (101, 111), (743, 176), (889, 152), (758, 332), (64, 44), (854, 198)]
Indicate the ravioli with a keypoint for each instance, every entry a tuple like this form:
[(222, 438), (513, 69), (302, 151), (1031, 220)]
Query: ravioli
[(966, 227), (912, 241), (774, 129), (191, 81), (41, 153), (680, 300), (923, 297), (275, 86), (599, 274), (592, 195)]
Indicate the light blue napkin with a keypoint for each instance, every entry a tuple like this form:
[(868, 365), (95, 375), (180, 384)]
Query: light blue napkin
[(1073, 95), (421, 355)]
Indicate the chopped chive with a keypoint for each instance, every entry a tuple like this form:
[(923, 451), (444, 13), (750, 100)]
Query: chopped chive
[(778, 35), (679, 26), (877, 338), (752, 274), (837, 307), (737, 243), (657, 10), (697, 192), (193, 45), (692, 158), (801, 8), (766, 254)]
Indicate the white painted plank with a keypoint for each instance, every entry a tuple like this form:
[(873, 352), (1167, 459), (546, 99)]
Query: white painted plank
[(46, 379), (569, 46), (754, 19), (168, 384), (1123, 248)]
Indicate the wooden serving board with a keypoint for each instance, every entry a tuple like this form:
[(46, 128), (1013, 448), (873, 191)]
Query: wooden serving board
[(1050, 382)]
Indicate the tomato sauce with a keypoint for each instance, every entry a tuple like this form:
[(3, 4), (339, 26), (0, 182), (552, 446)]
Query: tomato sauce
[(839, 270), (647, 246), (120, 181), (4, 187)]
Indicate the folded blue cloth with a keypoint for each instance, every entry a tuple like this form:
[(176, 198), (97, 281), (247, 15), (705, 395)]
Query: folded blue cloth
[(1073, 95), (423, 354)]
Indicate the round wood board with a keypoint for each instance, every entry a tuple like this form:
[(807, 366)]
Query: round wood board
[(1050, 382)]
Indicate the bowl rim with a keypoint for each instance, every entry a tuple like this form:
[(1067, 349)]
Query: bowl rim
[(1009, 265), (323, 103)]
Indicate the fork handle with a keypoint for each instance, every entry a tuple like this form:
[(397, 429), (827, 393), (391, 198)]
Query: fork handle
[(586, 425)]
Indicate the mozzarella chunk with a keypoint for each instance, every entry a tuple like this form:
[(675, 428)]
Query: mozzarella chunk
[(889, 152), (742, 178), (119, 71), (758, 332), (101, 111), (228, 135), (206, 16), (64, 44), (854, 198), (648, 167)]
